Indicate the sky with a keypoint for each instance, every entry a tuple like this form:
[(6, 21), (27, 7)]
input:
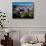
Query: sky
[(23, 3)]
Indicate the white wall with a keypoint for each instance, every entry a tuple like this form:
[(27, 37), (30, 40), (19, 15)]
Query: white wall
[(27, 25), (39, 14)]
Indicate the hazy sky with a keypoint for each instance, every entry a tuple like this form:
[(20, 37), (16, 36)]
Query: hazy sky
[(23, 3)]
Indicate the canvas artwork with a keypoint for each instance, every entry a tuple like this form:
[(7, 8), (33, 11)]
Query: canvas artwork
[(23, 10)]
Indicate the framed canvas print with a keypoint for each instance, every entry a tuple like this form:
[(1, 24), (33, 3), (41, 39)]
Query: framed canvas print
[(23, 10)]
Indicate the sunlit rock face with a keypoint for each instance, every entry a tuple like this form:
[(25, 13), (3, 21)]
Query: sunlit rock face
[(24, 8)]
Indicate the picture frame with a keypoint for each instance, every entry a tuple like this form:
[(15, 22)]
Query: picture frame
[(23, 10)]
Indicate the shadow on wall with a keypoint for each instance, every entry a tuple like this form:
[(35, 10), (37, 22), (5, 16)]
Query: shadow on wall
[(16, 43)]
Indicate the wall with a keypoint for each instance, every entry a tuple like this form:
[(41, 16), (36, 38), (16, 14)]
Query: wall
[(27, 25), (39, 14)]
